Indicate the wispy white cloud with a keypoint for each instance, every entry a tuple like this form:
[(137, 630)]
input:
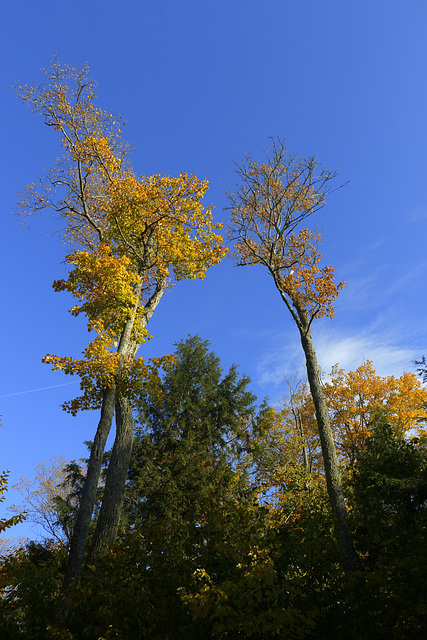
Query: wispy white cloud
[(416, 214), (350, 351), (388, 295), (282, 360), (361, 289), (407, 279), (391, 355), (378, 318)]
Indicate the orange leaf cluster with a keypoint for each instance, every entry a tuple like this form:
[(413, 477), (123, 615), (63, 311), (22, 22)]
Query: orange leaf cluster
[(352, 398), (274, 199)]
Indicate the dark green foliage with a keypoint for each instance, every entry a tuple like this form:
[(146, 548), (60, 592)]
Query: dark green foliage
[(29, 583), (390, 479), (389, 483), (66, 508), (214, 547), (185, 487), (422, 368), (183, 474), (188, 438)]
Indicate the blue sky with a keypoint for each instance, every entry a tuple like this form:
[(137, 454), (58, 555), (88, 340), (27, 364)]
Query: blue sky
[(200, 85)]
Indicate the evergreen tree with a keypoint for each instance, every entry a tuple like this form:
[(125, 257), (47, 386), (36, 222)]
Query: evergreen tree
[(189, 434), (389, 484), (186, 481)]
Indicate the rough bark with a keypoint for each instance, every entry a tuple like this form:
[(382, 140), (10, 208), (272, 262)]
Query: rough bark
[(87, 503), (350, 559), (114, 490), (112, 501)]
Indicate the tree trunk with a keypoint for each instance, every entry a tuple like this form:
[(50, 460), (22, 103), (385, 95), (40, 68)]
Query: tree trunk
[(114, 491), (87, 501), (350, 559), (86, 506)]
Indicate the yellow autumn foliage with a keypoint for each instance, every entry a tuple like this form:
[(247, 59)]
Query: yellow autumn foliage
[(136, 234)]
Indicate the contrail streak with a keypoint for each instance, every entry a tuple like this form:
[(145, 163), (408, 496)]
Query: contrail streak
[(20, 393)]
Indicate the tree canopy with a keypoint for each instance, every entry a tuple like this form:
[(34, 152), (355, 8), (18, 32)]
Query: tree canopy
[(227, 530), (213, 515)]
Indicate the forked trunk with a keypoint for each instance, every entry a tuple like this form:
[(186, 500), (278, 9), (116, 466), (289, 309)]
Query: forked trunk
[(114, 491), (112, 501), (86, 506), (115, 482)]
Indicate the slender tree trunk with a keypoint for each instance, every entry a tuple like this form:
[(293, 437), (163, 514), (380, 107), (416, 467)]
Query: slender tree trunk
[(350, 559), (86, 506), (120, 457), (114, 490)]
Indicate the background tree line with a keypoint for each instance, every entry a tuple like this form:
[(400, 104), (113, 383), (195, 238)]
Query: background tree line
[(227, 530), (211, 516)]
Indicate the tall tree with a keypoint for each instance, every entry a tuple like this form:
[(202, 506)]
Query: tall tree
[(190, 436), (183, 481), (136, 235), (272, 201)]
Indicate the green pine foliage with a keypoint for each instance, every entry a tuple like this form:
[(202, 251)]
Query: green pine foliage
[(389, 487)]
